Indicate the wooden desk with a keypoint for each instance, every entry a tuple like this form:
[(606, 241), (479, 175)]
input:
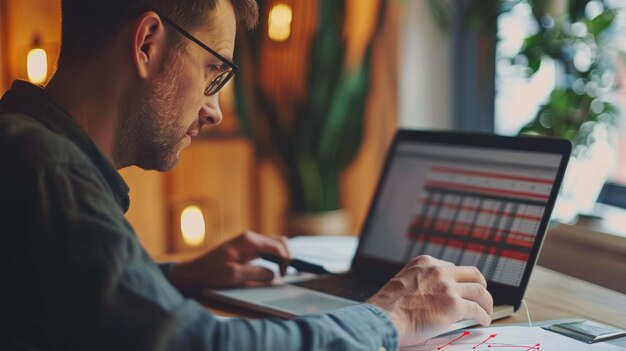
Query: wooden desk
[(550, 295)]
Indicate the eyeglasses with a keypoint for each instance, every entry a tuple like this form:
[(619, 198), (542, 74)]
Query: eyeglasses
[(223, 76)]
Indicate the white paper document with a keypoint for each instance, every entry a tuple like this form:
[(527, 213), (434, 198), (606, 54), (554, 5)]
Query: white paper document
[(507, 339), (332, 252)]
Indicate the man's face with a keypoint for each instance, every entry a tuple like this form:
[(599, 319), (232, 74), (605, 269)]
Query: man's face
[(160, 120)]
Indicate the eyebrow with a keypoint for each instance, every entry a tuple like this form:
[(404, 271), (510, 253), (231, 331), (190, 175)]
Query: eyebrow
[(214, 60), (228, 52), (220, 58)]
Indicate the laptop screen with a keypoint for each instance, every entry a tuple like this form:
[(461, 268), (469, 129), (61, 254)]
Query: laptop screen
[(468, 205)]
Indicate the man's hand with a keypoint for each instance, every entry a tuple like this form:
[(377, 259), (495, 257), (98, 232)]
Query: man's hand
[(227, 265), (428, 295)]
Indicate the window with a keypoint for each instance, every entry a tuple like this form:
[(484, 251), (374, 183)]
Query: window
[(520, 97)]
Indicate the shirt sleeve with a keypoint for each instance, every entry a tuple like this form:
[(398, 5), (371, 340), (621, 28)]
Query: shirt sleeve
[(101, 291), (166, 268)]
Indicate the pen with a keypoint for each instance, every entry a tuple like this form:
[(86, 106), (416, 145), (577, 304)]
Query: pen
[(300, 265)]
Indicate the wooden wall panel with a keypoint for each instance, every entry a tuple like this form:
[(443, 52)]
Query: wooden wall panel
[(216, 171), (148, 210), (272, 199)]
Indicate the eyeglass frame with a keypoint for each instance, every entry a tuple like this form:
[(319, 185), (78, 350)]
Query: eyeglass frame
[(229, 73)]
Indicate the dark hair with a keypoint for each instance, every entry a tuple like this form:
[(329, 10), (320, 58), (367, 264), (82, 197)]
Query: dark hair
[(89, 26)]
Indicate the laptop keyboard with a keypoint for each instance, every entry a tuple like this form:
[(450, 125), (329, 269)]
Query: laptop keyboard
[(349, 285)]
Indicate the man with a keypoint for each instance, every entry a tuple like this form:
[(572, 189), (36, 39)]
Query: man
[(136, 80)]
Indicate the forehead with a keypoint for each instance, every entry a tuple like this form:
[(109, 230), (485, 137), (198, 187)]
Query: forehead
[(218, 31)]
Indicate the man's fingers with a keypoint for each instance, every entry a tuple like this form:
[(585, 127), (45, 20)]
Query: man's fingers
[(477, 293), (468, 274), (424, 261), (261, 244), (280, 239), (247, 272), (270, 245), (445, 264), (275, 246), (472, 310), (431, 261)]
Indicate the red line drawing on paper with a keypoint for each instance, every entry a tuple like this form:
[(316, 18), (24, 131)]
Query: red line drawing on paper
[(448, 344), (489, 338), (527, 348)]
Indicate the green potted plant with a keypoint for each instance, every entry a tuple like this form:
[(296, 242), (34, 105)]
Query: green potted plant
[(578, 45), (309, 116), (577, 36)]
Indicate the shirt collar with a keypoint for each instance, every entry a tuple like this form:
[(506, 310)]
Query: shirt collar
[(34, 101)]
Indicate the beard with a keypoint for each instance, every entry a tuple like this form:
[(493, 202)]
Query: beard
[(150, 130)]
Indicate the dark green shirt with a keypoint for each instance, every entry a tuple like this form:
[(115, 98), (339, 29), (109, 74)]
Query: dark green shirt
[(73, 275)]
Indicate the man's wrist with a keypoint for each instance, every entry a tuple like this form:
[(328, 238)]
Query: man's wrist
[(390, 336)]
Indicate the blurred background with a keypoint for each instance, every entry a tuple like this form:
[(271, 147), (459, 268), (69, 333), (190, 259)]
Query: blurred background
[(324, 84)]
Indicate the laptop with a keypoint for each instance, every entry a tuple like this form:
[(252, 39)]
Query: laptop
[(471, 199)]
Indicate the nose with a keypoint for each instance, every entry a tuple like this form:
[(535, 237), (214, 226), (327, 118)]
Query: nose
[(210, 113)]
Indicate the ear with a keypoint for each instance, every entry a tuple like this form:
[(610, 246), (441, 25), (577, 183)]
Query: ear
[(149, 43)]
